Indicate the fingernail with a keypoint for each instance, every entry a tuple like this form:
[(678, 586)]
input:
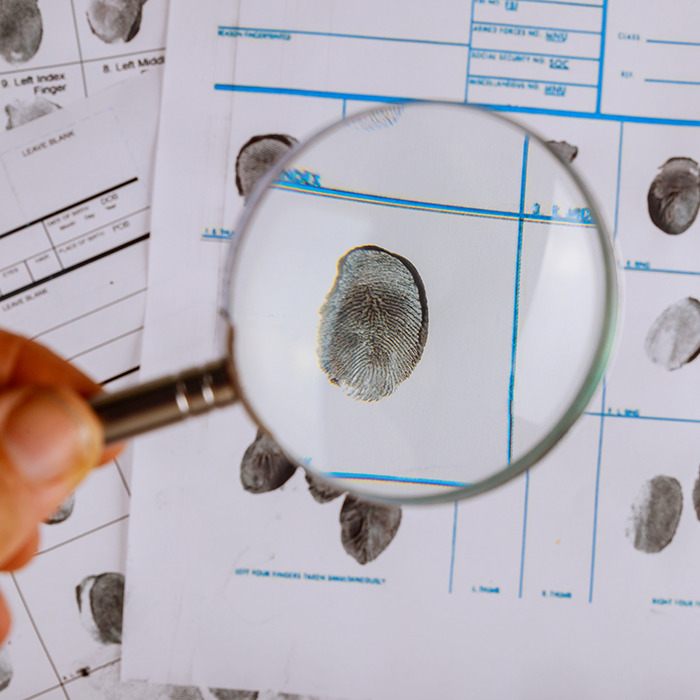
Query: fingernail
[(46, 437)]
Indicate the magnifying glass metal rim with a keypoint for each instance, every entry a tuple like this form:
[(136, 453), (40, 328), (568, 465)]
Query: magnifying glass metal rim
[(593, 375)]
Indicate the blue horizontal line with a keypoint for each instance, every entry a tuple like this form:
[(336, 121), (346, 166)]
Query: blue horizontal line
[(659, 269), (544, 29), (657, 418), (534, 53), (394, 479), (527, 80), (672, 82), (493, 107), (311, 93), (559, 2), (217, 238), (437, 207), (338, 35), (674, 43)]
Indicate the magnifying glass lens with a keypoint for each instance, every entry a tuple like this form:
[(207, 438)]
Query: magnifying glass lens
[(422, 301)]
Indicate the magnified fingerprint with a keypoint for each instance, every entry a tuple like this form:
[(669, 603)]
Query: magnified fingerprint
[(377, 119), (367, 528), (20, 30), (222, 694), (264, 466), (374, 323), (100, 603), (63, 512), (115, 20), (655, 514), (674, 195), (322, 490), (673, 339), (22, 111), (564, 150), (256, 157), (6, 671)]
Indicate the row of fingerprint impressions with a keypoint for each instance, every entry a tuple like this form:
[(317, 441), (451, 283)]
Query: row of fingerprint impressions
[(22, 26)]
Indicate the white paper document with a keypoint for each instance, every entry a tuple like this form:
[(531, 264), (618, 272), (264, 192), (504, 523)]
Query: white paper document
[(75, 188), (577, 579), (54, 53)]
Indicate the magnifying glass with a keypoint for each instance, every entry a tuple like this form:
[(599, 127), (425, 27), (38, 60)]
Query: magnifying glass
[(421, 301)]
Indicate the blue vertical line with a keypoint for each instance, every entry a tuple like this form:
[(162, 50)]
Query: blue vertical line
[(513, 354), (597, 487), (454, 545), (469, 53), (522, 548), (345, 108), (619, 173), (601, 62)]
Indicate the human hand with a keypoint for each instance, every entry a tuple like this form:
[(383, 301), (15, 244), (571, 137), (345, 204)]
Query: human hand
[(50, 439)]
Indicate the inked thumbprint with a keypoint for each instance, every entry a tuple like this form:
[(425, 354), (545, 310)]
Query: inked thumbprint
[(6, 671), (673, 339), (564, 150), (674, 195), (374, 323), (63, 512), (321, 490), (115, 20), (22, 111), (100, 603), (655, 514), (21, 30), (256, 157), (367, 528), (264, 466)]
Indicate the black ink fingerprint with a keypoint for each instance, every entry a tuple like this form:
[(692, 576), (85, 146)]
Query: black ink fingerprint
[(673, 339), (264, 466), (374, 323), (655, 514), (223, 694), (20, 30), (377, 119), (101, 602), (674, 195), (256, 157), (564, 150), (6, 671), (115, 20), (367, 528), (322, 490), (22, 111), (185, 693), (696, 496), (63, 512)]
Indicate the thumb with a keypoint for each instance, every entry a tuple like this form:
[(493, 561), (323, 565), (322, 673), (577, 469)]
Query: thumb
[(49, 441)]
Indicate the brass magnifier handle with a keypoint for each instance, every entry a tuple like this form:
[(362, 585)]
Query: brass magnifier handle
[(164, 401)]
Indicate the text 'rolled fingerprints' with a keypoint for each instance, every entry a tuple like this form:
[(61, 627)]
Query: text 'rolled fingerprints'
[(115, 20), (256, 157), (655, 514), (21, 30), (673, 339), (374, 323), (264, 466), (367, 528), (674, 195), (101, 603)]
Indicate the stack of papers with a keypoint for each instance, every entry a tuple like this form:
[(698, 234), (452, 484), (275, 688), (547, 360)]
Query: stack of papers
[(548, 586)]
